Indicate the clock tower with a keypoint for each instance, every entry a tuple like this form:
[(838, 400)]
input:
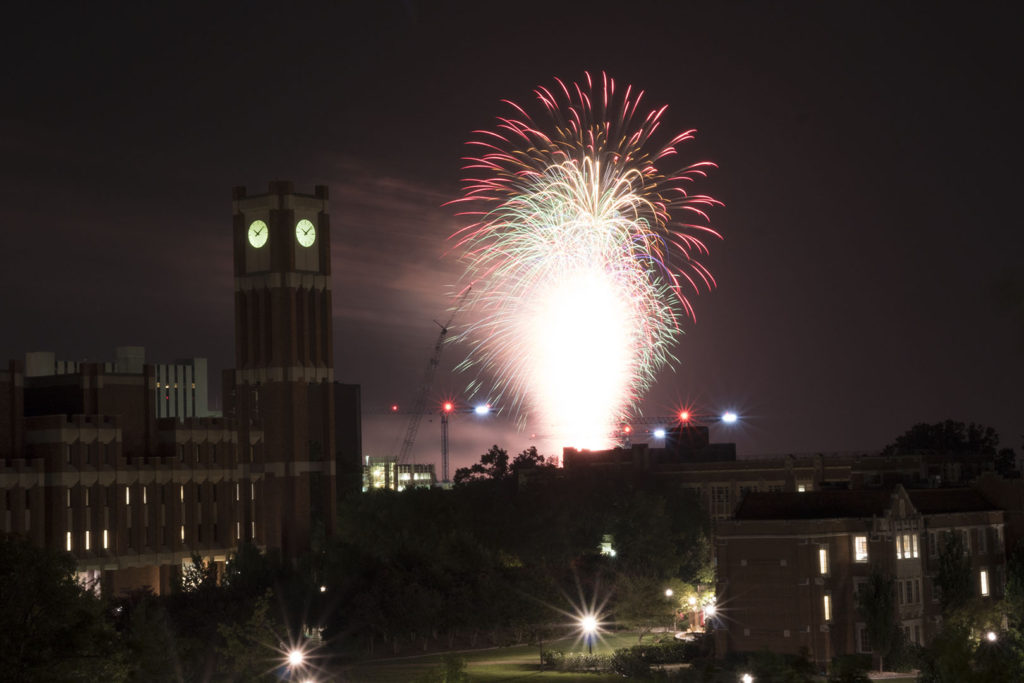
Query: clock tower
[(283, 379)]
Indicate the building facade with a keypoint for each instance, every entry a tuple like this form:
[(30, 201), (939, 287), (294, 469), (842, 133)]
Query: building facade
[(790, 565), (116, 462)]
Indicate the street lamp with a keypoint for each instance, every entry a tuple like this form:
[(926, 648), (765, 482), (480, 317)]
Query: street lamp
[(588, 623), (668, 592), (296, 658), (747, 678), (991, 635)]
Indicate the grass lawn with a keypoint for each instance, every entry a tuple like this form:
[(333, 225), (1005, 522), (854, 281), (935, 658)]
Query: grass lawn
[(517, 663)]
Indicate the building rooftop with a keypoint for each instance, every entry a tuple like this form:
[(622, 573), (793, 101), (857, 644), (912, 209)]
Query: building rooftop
[(839, 504)]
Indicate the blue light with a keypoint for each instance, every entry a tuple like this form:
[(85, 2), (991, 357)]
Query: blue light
[(729, 417), (482, 410), (659, 433)]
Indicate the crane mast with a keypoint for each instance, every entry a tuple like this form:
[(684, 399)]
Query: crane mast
[(423, 393)]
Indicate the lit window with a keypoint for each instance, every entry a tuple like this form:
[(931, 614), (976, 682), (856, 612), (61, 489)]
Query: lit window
[(88, 540), (238, 530), (181, 493), (238, 491), (860, 548), (183, 532), (106, 539), (899, 547), (252, 529), (145, 495), (67, 541), (913, 542), (69, 498), (827, 605), (252, 490), (983, 575), (127, 495), (85, 496), (801, 488), (823, 560)]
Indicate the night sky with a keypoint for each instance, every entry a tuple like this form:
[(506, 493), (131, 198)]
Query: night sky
[(870, 275)]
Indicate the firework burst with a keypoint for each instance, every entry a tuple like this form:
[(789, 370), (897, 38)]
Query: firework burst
[(580, 252)]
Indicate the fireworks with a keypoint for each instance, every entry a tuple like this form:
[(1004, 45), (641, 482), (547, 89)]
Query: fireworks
[(580, 252)]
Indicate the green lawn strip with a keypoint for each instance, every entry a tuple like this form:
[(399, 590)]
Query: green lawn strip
[(519, 662)]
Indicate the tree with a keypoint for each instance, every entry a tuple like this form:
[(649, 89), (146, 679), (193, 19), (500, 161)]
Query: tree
[(640, 603), (946, 437), (54, 628), (493, 465), (876, 604), (954, 575)]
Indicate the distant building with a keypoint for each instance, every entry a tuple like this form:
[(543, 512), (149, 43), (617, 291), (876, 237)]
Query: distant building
[(182, 387), (388, 473), (122, 464), (790, 564), (721, 480)]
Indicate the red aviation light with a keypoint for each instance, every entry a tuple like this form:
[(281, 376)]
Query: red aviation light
[(684, 415), (448, 407)]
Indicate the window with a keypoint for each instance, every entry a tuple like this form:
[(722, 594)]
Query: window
[(982, 540), (720, 508), (966, 536), (252, 529), (801, 488), (910, 591), (106, 539), (67, 541), (826, 602), (983, 577), (182, 533), (899, 547), (181, 493), (865, 643), (88, 540), (933, 544), (238, 492), (145, 495), (823, 560), (238, 530), (913, 541), (68, 498), (252, 491), (860, 548)]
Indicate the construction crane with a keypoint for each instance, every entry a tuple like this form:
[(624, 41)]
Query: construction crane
[(420, 406)]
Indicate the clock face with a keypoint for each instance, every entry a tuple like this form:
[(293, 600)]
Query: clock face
[(258, 234), (305, 232)]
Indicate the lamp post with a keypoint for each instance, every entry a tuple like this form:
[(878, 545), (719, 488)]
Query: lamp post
[(589, 626)]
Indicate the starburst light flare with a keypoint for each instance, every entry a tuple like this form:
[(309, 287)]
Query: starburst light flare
[(579, 252)]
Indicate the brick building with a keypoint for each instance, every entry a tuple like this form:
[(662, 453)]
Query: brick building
[(89, 463), (790, 564)]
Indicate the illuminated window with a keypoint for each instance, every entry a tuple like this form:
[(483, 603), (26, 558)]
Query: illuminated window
[(913, 543), (252, 491), (127, 495), (801, 488), (860, 548), (983, 576), (85, 496), (145, 495), (252, 529), (88, 540), (183, 533), (68, 498), (181, 493), (238, 491), (238, 530), (827, 606), (823, 560), (106, 539), (899, 547), (67, 541)]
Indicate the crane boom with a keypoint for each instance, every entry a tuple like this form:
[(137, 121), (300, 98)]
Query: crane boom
[(420, 406)]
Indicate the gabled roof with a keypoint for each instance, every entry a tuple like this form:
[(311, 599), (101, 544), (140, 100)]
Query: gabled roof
[(934, 501), (856, 503), (814, 504)]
